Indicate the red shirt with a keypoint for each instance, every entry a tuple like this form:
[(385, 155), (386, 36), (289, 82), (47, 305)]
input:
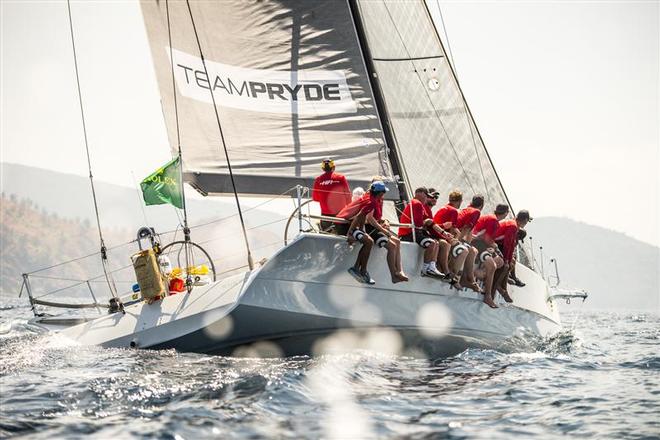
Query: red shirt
[(467, 217), (486, 227), (420, 213), (332, 192), (507, 237), (364, 205), (446, 214)]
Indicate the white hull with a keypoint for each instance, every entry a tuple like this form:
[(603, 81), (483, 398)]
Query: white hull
[(304, 293)]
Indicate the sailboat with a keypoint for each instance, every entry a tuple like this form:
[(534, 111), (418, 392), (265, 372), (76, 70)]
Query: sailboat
[(254, 96)]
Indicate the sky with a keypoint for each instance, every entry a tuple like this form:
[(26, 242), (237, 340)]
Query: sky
[(565, 95)]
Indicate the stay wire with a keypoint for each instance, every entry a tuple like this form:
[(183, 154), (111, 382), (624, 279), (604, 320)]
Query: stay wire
[(186, 230), (104, 256), (140, 202), (444, 30), (222, 138), (172, 231), (467, 107), (467, 116), (435, 111)]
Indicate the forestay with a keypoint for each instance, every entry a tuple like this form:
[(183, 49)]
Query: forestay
[(435, 135), (290, 84)]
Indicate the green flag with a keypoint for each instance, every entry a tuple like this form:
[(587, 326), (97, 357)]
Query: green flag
[(164, 185)]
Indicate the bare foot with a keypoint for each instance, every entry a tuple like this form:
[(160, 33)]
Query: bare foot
[(488, 300), (473, 286), (402, 276), (506, 296)]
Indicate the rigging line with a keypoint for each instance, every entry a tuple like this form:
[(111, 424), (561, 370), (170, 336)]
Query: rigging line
[(176, 115), (174, 231), (428, 96), (137, 192), (104, 255), (83, 282), (467, 107), (467, 117), (392, 150), (73, 260), (444, 30), (186, 230), (245, 210), (222, 138)]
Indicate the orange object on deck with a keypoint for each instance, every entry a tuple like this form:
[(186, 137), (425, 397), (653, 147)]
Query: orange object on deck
[(177, 285)]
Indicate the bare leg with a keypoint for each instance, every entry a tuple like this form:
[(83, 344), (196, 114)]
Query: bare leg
[(457, 263), (363, 255), (501, 283), (431, 252), (443, 255), (391, 260), (396, 250), (501, 275), (490, 266), (467, 278)]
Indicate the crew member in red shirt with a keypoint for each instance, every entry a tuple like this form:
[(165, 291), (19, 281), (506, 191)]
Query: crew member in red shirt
[(446, 217), (488, 257), (461, 255), (331, 191), (417, 214), (443, 238), (467, 218), (507, 240), (368, 227)]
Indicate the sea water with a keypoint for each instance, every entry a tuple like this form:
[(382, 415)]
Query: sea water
[(599, 378)]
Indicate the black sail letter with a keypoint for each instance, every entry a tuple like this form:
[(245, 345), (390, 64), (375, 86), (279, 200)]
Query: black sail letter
[(313, 92)]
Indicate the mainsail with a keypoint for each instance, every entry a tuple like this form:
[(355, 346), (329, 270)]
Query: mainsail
[(290, 85), (434, 133)]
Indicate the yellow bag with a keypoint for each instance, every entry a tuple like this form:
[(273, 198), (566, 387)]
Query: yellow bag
[(147, 273), (202, 269)]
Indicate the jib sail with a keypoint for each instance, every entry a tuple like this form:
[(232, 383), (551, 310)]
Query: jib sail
[(434, 133), (290, 85)]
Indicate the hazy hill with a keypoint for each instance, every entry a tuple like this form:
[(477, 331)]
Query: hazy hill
[(31, 238), (618, 271), (70, 196)]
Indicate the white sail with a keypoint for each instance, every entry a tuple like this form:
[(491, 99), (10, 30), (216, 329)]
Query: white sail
[(435, 135), (290, 84)]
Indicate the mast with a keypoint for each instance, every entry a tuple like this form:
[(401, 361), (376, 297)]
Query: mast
[(381, 107), (467, 107)]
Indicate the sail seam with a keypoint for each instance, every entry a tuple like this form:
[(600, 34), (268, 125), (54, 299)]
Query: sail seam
[(467, 116), (467, 107), (467, 177), (409, 58)]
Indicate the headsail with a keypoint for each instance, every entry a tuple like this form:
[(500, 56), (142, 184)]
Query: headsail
[(290, 84), (435, 135)]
